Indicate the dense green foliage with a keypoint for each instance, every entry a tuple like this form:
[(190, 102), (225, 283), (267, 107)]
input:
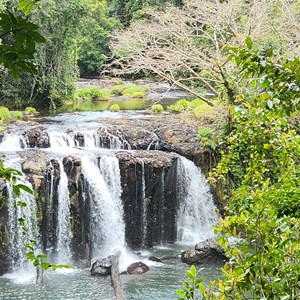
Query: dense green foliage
[(259, 172), (96, 27), (128, 10)]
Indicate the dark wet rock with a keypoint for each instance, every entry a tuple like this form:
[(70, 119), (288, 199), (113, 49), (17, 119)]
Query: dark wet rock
[(4, 236), (72, 167), (137, 268), (204, 252), (79, 139), (112, 137), (153, 258), (149, 195), (37, 138), (101, 267)]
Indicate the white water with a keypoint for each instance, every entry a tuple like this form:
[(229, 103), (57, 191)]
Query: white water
[(64, 232), (12, 142), (114, 142), (197, 213), (17, 239), (59, 140), (107, 225)]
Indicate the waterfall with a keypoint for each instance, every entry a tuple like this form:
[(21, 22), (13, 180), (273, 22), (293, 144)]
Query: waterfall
[(12, 142), (64, 233), (106, 218), (59, 140), (17, 239), (197, 212)]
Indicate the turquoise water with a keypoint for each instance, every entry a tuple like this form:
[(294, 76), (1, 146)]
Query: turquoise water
[(159, 283)]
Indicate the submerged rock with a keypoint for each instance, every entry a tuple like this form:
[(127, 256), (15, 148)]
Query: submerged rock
[(206, 251), (153, 258), (137, 268)]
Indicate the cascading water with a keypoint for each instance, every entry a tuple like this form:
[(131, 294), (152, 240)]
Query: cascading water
[(12, 142), (107, 225), (64, 232), (59, 140), (27, 213), (197, 214)]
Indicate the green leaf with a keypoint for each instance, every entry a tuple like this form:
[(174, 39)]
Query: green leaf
[(25, 188), (249, 42)]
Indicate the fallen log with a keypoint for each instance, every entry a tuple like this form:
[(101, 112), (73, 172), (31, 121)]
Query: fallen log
[(115, 277)]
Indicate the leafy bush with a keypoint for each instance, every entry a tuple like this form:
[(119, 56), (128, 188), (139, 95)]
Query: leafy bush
[(4, 113), (185, 103), (93, 93), (30, 110), (157, 108), (205, 132), (175, 108), (17, 115), (114, 107), (194, 103), (129, 90), (202, 110)]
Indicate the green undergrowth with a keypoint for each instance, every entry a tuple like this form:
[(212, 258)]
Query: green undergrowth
[(157, 108), (129, 90), (7, 116), (114, 108), (92, 94), (197, 106)]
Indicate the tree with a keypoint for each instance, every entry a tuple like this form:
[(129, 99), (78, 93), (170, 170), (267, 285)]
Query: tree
[(54, 62), (128, 10), (185, 46), (16, 56), (94, 37), (260, 171)]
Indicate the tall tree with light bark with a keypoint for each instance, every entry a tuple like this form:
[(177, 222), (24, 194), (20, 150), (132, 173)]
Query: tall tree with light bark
[(186, 45)]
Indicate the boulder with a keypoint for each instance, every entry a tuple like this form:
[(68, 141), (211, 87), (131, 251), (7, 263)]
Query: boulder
[(153, 258), (101, 267), (204, 252), (37, 138), (137, 268)]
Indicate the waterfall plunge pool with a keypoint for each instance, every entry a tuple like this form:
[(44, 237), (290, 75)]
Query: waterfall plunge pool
[(159, 283)]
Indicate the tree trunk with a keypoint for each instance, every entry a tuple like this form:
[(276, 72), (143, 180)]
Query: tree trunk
[(115, 277), (39, 275)]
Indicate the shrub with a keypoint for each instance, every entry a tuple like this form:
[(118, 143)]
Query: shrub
[(175, 108), (194, 103), (157, 108), (129, 90), (92, 93), (202, 110), (185, 103), (205, 132), (4, 113), (30, 110), (114, 107), (18, 115)]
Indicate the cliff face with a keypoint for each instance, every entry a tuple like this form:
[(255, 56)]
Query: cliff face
[(149, 197)]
